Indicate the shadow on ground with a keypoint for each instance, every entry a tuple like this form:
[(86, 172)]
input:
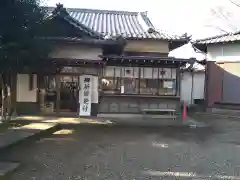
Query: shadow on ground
[(80, 150), (197, 135)]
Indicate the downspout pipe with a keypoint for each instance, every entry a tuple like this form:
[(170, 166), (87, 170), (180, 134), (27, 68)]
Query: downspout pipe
[(192, 75), (191, 70)]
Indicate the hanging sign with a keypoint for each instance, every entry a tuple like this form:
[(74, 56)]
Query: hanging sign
[(85, 95), (122, 89), (168, 84)]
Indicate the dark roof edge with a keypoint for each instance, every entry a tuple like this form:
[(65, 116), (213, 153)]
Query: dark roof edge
[(147, 57), (76, 40), (76, 23), (87, 29), (193, 70)]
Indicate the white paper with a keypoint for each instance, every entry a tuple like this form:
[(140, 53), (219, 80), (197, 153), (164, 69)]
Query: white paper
[(85, 95), (122, 89), (168, 84)]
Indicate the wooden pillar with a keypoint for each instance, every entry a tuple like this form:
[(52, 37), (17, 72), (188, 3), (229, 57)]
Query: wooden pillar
[(13, 89), (7, 92), (58, 93), (178, 82), (178, 87), (41, 92)]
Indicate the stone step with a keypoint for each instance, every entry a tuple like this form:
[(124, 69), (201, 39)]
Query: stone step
[(234, 112), (14, 135), (137, 116), (230, 106), (219, 115), (7, 168), (148, 116)]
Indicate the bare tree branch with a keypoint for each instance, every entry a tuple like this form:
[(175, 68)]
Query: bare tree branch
[(219, 13), (227, 18), (235, 2), (218, 28)]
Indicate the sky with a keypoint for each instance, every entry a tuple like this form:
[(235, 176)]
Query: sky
[(195, 17)]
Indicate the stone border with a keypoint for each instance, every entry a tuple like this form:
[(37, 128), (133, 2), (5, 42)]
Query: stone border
[(7, 169), (218, 115)]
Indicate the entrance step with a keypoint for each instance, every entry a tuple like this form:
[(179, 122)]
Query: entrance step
[(224, 105), (14, 135), (136, 116), (112, 115), (7, 168), (221, 111)]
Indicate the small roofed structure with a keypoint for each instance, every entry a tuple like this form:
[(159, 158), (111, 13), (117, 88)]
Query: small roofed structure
[(223, 70), (189, 51), (193, 74)]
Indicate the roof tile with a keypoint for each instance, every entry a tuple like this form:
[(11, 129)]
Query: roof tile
[(113, 23), (230, 37)]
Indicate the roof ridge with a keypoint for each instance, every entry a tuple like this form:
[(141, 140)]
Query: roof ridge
[(146, 19), (164, 31), (218, 36), (105, 11)]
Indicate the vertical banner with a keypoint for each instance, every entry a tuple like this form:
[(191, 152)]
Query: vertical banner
[(85, 95)]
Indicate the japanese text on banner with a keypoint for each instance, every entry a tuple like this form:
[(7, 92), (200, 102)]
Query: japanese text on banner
[(86, 93)]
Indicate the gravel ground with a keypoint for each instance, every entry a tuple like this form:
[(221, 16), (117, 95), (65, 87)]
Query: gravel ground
[(115, 153)]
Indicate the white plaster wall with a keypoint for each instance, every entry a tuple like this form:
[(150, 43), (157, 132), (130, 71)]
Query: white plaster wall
[(23, 92), (76, 52), (224, 52), (198, 87), (147, 46)]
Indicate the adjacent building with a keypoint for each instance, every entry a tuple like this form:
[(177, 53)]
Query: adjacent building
[(192, 76), (223, 69)]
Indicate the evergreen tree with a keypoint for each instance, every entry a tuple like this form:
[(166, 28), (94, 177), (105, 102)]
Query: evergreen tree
[(21, 48)]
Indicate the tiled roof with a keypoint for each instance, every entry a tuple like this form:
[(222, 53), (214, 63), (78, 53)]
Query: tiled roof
[(230, 37), (131, 25), (82, 27)]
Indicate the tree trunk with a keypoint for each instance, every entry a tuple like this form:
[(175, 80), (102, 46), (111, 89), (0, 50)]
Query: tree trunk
[(6, 105), (13, 90), (3, 95)]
